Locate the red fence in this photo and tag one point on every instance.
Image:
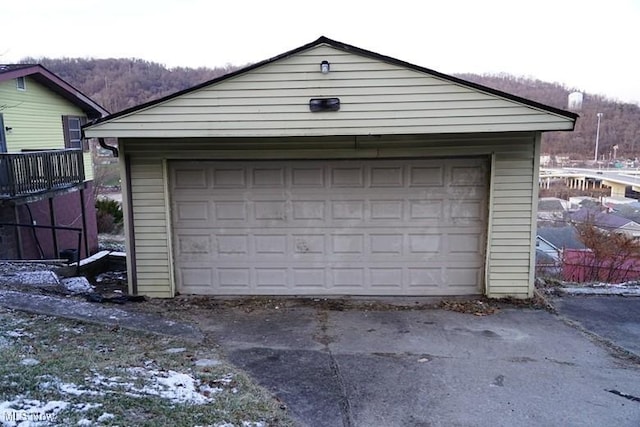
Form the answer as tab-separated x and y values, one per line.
582	266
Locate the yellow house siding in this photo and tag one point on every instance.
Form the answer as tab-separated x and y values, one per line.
35	116
88	166
376	97
508	265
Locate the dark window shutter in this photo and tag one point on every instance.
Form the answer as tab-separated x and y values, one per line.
72	130
65	131
85	141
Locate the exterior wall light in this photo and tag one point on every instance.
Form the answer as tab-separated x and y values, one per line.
324	104
324	67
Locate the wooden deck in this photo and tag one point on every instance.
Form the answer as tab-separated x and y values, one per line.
39	172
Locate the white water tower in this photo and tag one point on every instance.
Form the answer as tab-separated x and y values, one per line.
575	101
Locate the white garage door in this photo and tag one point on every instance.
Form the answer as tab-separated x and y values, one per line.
357	227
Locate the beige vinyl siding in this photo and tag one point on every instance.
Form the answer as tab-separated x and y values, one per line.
376	98
512	223
151	239
508	267
35	116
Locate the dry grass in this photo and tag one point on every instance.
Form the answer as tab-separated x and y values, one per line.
92	370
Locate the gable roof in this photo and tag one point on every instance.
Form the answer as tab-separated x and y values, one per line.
565	237
566	118
551	204
600	219
55	84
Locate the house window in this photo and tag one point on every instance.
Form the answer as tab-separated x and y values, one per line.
71	126
21	83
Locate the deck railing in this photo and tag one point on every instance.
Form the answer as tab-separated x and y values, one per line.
30	173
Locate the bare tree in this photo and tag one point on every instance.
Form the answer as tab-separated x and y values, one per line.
612	256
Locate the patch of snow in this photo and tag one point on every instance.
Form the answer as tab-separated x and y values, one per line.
253	424
70	388
77	285
77	330
84	407
207	390
105	416
36	278
28	412
18	333
29	362
4	343
601	291
175	350
110	382
84	422
207	362
226	379
174	386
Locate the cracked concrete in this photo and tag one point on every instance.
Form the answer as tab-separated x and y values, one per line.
429	367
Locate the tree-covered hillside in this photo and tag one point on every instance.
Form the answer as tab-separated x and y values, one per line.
117	84
122	83
620	122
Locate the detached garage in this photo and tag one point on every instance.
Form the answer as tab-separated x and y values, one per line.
332	170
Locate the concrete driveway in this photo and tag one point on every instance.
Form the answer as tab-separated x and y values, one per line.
430	367
613	317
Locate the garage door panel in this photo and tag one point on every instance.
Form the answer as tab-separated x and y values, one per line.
370	227
426	176
268	177
307	177
334	280
347	177
403	244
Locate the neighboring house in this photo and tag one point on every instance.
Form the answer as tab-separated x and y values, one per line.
45	166
630	211
554	240
551	244
552	209
579	202
606	221
332	170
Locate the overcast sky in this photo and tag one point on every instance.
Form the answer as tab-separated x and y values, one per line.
588	45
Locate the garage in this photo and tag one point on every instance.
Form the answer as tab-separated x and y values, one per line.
332	170
358	227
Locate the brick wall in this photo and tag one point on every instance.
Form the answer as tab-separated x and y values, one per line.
8	235
68	213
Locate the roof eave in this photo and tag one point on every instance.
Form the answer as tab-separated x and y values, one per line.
59	86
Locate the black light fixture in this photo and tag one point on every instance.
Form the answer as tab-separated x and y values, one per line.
325	67
324	104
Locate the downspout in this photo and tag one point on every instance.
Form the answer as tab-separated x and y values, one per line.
114	150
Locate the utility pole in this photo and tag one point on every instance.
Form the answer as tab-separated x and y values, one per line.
595	157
